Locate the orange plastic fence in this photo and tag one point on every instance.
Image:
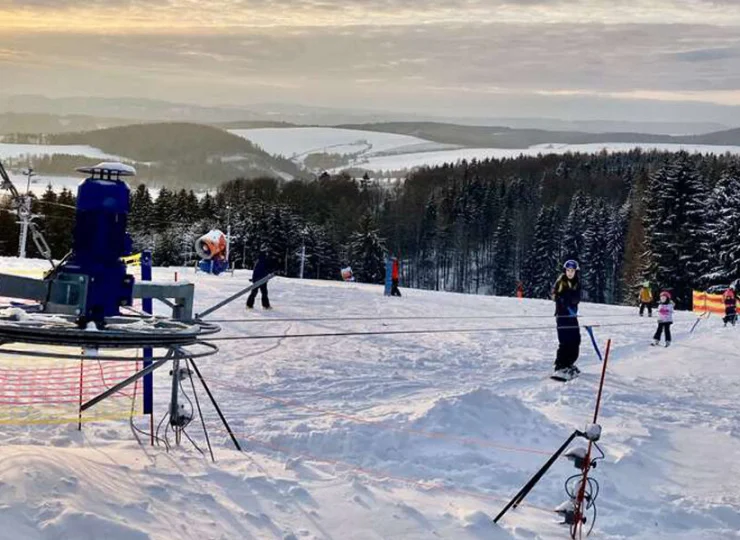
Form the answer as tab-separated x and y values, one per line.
709	303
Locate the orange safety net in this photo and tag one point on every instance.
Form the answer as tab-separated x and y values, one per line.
709	303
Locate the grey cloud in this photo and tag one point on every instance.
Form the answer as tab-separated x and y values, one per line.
89	4
434	65
707	55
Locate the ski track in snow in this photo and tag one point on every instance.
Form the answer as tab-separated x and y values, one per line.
400	436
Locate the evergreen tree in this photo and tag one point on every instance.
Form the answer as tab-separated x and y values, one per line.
616	240
723	231
543	262
574	228
58	222
426	259
142	218
504	282
595	253
675	232
366	251
164	210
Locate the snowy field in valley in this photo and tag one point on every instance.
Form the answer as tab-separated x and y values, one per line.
297	143
40	181
15	151
377	151
413	160
413	436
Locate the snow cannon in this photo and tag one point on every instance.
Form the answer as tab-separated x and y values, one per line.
91	282
212	249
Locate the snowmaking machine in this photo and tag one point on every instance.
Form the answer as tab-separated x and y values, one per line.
213	250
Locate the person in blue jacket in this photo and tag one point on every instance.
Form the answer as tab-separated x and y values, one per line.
261	269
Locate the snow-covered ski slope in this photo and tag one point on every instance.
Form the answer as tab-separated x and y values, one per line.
400	436
378	151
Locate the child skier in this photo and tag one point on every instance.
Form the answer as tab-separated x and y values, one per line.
646	299
730	307
665	319
567	295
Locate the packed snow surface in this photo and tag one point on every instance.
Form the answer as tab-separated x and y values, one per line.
399	436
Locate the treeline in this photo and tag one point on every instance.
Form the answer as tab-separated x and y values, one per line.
483	226
331	217
477	227
56	221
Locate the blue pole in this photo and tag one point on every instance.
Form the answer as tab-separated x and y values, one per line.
146	275
590	331
388	276
698	320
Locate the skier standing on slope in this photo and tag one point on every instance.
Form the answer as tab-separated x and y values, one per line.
567	295
665	319
730	306
646	299
261	269
395	271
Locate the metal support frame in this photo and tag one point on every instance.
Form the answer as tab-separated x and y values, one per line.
36	289
123	384
519	497
215	406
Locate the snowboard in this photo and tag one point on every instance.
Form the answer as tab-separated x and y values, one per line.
563	377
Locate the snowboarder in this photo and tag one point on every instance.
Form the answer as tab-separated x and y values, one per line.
646	299
261	269
394	277
520	290
665	319
567	295
730	306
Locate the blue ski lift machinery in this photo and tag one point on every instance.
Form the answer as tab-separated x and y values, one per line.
88	288
79	302
93	283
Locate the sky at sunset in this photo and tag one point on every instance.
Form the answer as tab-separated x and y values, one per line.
558	58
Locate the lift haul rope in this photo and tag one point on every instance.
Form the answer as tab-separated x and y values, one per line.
405	332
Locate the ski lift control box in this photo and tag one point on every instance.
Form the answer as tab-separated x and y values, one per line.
93	282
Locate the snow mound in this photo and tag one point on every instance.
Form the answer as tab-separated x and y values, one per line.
86	526
472	439
482	414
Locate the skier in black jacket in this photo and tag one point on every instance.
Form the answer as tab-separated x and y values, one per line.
567	295
261	269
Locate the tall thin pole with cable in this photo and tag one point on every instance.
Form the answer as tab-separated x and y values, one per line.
24	214
578	521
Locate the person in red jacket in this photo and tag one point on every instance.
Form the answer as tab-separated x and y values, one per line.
394	278
730	308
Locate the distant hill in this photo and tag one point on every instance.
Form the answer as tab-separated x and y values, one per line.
24	123
504	137
133	110
190	155
727	137
256	124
